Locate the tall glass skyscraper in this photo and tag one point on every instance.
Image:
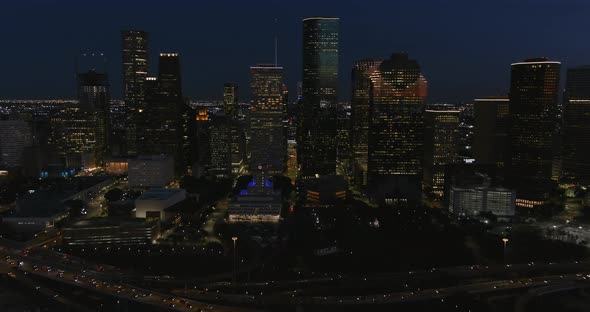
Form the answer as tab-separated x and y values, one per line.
576	126
534	93
359	118
396	130
317	122
441	132
135	54
268	144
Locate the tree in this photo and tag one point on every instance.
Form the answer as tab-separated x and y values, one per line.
114	195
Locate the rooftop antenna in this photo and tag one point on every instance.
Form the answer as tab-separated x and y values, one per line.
276	45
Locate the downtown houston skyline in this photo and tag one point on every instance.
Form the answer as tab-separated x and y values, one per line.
446	38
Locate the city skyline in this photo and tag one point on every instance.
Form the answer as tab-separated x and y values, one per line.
435	34
431	157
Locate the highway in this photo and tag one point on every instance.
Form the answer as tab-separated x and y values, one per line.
66	269
105	280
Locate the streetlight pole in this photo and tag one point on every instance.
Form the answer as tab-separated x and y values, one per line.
234	278
505	241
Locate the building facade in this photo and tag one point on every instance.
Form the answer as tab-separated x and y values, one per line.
268	143
359	118
396	130
576	126
440	145
150	171
534	93
317	120
134	44
490	137
472	201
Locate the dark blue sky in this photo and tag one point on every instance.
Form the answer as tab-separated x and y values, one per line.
464	47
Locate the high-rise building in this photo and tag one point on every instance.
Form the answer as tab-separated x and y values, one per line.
169	75
441	133
161	123
316	144
576	126
73	137
15	136
534	93
94	99
135	69
268	144
359	118
230	107
394	171
490	137
220	145
117	123
230	98
466	121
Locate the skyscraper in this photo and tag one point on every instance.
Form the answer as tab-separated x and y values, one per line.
220	145
135	69
161	123
534	92
441	133
230	107
359	119
169	75
490	141
576	126
15	136
268	145
94	99
317	150
230	98
396	127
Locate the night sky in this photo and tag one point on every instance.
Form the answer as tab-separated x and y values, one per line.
464	47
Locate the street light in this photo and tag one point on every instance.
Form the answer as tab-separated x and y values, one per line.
234	239
505	241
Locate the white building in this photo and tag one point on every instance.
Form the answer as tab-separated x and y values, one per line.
15	135
152	203
151	171
470	201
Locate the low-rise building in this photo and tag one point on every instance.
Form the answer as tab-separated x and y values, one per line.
152	204
151	171
111	232
471	201
258	203
325	191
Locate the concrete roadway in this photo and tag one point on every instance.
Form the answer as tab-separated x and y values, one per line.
47	264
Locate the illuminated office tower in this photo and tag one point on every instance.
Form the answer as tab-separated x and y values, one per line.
317	149
534	93
220	145
230	107
490	141
359	118
441	131
268	144
73	137
230	98
135	69
394	170
94	99
576	126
